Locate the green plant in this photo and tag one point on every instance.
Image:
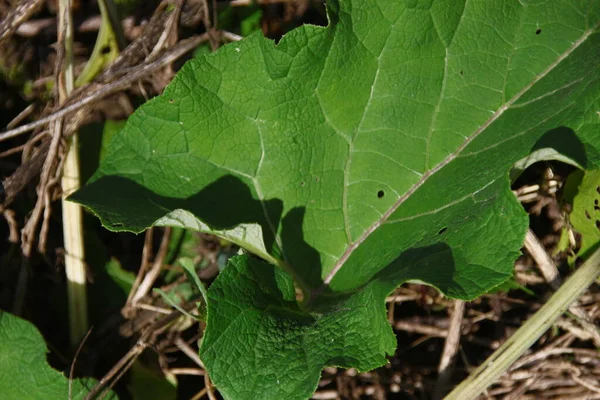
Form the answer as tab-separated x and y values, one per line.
351	159
25	373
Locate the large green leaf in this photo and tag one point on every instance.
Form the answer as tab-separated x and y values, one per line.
24	372
360	155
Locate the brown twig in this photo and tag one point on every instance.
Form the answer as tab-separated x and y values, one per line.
22	115
451	346
189	351
169	32
13	226
187	371
157	265
21	12
52	187
199	395
147	339
94	92
128	308
48	169
209	388
72	369
543	260
550	273
24	174
140	49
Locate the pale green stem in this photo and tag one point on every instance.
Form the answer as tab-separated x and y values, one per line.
499	362
72	215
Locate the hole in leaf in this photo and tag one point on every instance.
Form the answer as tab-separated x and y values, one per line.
587	215
538	31
597	224
598	189
302	184
317	179
105	50
171	101
444	229
461	72
380	194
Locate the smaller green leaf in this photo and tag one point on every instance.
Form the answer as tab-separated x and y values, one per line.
106	49
190	269
24	372
585	217
121	277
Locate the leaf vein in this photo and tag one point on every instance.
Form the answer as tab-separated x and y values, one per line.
354	245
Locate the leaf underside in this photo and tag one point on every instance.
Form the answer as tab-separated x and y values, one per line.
354	157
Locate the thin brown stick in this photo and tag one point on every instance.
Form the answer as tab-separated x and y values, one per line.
91	96
147	339
422	329
72	369
543	260
209	388
187	371
21	12
170	29
518	392
451	346
550	351
157	265
24	174
189	351
28	233
22	115
20	148
119	375
13	226
146	255
199	395
132	354
550	272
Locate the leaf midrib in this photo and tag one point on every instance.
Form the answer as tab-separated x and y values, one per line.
452	156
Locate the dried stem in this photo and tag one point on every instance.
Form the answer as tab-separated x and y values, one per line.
530	331
450	351
94	93
20	13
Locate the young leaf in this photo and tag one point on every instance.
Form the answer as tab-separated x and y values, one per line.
363	154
